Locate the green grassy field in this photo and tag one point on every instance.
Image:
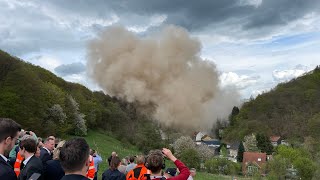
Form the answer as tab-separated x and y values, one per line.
105	144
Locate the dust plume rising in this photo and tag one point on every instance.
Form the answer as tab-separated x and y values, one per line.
165	69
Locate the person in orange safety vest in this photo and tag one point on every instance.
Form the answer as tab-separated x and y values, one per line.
91	171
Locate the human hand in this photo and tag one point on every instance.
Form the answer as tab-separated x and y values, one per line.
31	133
168	154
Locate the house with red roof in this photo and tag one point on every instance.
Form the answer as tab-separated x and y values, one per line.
275	140
253	162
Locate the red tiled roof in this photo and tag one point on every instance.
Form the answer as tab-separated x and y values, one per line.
251	157
274	138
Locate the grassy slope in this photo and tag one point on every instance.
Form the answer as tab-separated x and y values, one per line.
105	144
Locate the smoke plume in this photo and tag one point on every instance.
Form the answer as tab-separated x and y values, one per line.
164	69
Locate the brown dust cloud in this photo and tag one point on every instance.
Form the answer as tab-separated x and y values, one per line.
164	69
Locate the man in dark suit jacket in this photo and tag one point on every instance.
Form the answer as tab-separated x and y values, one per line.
9	132
74	158
46	150
32	164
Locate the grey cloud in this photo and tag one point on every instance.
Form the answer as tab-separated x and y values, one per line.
56	25
195	15
69	69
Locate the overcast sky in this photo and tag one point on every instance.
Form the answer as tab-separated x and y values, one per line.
255	43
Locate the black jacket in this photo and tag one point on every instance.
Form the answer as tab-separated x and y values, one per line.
34	165
6	171
44	156
74	177
113	175
54	170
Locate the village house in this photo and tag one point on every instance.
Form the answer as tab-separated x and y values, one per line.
204	139
275	140
233	151
253	162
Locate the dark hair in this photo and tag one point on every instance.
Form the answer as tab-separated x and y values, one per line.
92	151
131	159
155	161
8	128
115	161
74	154
29	144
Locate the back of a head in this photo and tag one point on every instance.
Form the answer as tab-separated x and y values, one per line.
140	159
92	151
113	154
56	151
155	161
8	128
28	143
124	162
74	154
115	162
131	159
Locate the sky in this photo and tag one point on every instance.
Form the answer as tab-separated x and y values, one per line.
255	44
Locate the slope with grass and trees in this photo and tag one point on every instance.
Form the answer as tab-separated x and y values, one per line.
42	102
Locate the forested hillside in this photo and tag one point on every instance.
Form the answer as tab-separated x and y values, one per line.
42	102
291	110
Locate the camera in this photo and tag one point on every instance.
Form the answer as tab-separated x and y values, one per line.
28	132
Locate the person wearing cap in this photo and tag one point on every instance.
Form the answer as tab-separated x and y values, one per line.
170	172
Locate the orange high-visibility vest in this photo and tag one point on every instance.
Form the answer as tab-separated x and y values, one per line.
140	171
17	164
91	171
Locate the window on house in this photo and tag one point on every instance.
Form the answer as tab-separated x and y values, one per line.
251	170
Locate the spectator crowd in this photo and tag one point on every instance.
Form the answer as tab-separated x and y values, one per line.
25	156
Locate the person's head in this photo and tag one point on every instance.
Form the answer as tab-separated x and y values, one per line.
170	172
56	141
124	162
52	137
131	159
37	154
56	151
28	146
193	172
155	161
115	162
40	141
93	152
141	159
113	154
49	143
74	156
9	133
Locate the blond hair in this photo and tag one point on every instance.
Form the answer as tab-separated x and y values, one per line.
56	151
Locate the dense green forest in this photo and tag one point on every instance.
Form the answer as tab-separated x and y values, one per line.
42	102
290	110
